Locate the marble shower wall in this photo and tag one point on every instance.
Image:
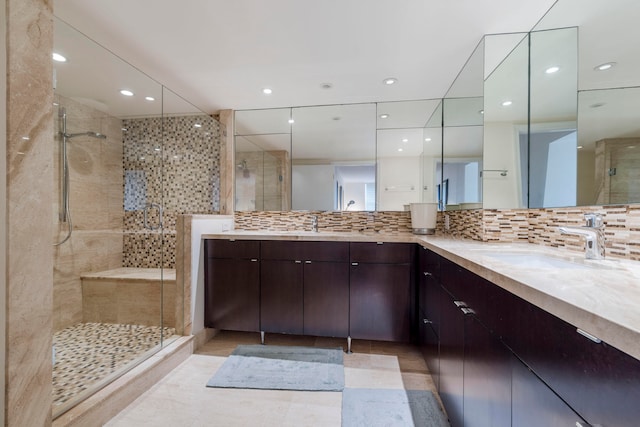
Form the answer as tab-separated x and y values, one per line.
27	242
174	161
95	202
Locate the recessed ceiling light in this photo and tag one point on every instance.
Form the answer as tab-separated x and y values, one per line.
267	91
405	140
390	80
291	121
597	105
58	58
605	66
427	139
481	112
552	70
26	138
326	85
580	147
336	118
149	98
507	103
197	125
126	92
384	116
124	129
400	149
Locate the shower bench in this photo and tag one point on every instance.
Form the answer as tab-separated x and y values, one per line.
130	296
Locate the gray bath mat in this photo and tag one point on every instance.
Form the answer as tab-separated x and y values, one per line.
281	368
383	407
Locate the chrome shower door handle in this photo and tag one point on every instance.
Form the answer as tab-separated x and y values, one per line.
146	216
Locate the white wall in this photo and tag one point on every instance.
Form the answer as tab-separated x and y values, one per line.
312	187
396	176
202	224
501	151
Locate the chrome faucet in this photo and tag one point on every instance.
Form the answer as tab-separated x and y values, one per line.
593	233
314	223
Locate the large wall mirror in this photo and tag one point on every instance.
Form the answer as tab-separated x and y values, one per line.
351	157
462	164
608	96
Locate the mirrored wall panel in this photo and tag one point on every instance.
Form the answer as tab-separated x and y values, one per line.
506	103
462	165
333	157
262	160
408	153
608	96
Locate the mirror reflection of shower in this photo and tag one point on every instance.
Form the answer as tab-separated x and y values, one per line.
65	212
244	168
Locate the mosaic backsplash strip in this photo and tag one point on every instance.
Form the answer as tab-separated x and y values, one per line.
327	221
174	161
537	226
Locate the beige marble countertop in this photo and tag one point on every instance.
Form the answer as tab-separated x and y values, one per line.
600	297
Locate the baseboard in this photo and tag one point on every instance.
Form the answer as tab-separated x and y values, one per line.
202	337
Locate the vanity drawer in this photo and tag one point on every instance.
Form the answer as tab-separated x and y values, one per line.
229	248
305	251
381	252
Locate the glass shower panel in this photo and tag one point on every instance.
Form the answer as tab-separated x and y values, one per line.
190	185
107	287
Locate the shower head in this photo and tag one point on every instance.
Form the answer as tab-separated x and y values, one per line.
91	134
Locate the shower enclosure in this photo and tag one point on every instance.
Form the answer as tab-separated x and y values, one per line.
125	167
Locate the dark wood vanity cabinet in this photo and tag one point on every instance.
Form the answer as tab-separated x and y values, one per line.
232	285
305	288
381	278
508	362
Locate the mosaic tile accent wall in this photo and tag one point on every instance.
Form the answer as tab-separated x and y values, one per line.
174	161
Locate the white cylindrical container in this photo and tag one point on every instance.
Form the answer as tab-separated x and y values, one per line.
424	217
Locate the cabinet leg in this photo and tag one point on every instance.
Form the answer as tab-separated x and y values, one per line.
349	345
262	337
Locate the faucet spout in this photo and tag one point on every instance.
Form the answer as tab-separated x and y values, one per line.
593	234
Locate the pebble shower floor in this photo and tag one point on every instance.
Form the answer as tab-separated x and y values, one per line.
89	352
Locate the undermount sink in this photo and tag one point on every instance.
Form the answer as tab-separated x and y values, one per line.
530	260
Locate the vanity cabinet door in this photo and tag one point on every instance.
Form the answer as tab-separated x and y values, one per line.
232	285
326	298
305	288
281	296
429	311
451	359
487	378
599	381
379	307
534	404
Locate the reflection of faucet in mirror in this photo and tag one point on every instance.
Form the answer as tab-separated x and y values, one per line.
593	233
351	202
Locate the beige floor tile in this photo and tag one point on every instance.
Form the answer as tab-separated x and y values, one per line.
181	398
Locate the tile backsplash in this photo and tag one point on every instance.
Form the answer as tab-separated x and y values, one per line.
536	226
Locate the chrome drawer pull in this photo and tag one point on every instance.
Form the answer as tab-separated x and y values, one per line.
254	260
426	273
426	321
467	310
460	304
589	336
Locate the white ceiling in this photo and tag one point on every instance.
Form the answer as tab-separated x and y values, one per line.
220	54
